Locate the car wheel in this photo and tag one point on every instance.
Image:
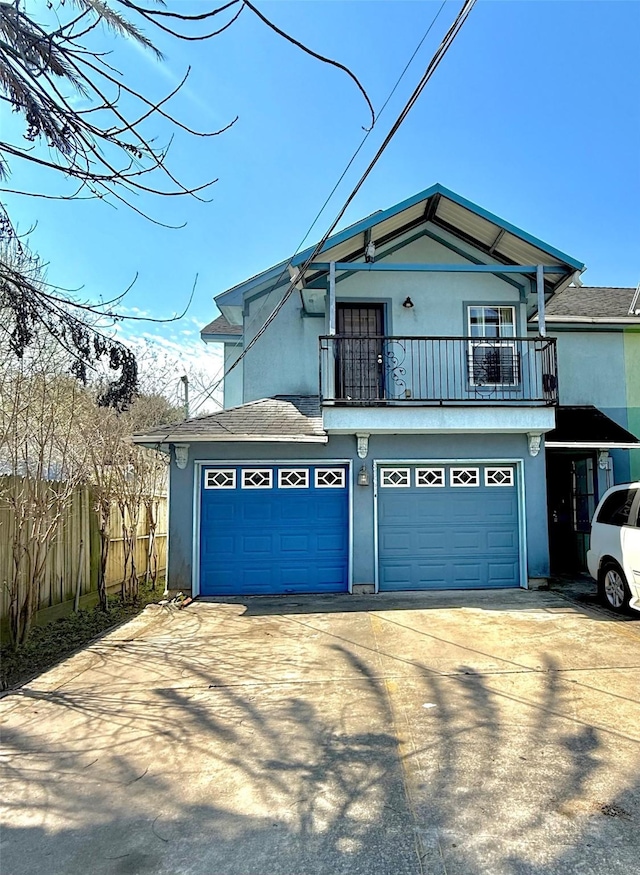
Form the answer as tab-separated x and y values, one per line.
613	588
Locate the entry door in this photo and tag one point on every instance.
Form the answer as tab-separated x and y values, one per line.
359	362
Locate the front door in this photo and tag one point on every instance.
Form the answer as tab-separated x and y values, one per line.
359	359
572	497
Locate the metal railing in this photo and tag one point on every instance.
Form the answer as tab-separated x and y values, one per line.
380	370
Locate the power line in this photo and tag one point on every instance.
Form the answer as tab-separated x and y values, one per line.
347	167
429	71
431	68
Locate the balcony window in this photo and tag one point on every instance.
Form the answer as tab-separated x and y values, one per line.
493	360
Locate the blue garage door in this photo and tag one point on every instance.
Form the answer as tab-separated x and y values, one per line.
274	529
448	527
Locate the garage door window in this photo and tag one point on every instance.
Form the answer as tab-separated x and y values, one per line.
498	476
395	477
330	478
220	479
465	477
430	477
257	479
293	478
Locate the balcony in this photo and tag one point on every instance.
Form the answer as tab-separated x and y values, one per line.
438	371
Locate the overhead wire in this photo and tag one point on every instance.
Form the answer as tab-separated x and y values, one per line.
431	67
208	394
364	139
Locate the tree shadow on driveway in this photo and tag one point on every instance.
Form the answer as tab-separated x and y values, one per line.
258	745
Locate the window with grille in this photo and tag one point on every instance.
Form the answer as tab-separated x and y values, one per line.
430	477
257	478
498	476
464	477
395	477
330	478
293	478
493	358
220	478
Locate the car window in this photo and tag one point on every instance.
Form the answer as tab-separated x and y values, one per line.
616	509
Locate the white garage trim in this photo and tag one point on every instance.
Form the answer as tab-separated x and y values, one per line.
250	463
522	518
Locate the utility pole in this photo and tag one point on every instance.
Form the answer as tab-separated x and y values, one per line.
185	380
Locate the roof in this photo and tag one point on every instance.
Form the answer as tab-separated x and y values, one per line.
281	418
220	329
594	301
586	426
501	241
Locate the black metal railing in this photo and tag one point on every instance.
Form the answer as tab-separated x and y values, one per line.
438	370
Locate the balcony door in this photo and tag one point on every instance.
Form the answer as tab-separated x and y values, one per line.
359	354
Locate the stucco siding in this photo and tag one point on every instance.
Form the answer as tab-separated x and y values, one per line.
233	381
591	370
381	447
286	359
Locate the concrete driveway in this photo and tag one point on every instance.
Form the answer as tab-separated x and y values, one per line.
449	734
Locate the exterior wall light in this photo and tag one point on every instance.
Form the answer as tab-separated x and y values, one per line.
408	303
363	476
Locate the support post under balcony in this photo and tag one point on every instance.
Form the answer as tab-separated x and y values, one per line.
332	297
542	328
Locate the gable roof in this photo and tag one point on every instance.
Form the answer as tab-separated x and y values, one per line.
501	241
295	418
594	301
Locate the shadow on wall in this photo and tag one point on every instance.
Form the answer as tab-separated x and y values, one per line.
209	775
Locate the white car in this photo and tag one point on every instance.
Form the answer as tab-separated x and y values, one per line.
614	557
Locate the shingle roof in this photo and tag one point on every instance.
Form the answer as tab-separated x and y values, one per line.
221	326
295	417
592	301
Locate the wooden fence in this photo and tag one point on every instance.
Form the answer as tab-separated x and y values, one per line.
74	555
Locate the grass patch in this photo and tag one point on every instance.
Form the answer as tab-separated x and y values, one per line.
51	643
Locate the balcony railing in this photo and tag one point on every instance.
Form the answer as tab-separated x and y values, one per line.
438	370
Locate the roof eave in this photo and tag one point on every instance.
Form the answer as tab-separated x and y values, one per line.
156	440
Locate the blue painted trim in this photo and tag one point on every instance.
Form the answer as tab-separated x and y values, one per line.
461	252
513	229
369	222
237	291
434	268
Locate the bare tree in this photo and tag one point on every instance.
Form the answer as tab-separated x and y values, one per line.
104	147
42	468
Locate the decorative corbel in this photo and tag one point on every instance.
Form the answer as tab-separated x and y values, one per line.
363	445
182	455
534	443
603	459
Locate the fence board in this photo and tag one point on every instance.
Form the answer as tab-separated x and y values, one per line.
79	524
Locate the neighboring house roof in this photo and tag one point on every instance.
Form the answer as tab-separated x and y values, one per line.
220	330
294	418
501	241
594	302
586	426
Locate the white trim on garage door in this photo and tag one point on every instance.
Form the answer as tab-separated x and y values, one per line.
522	519
253	463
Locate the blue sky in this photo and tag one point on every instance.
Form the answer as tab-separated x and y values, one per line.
533	114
